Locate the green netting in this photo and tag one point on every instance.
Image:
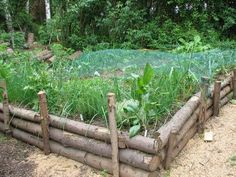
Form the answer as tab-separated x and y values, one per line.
204	63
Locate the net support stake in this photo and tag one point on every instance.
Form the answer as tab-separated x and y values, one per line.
113	133
6	112
205	82
44	121
216	98
234	84
171	146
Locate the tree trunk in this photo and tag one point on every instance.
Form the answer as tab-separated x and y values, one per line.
9	22
47	10
27	7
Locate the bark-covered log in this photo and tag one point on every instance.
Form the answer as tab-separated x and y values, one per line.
128	156
44	121
179	119
170	148
145	144
113	132
184	141
234	84
216	98
75	55
44	55
187	129
30	40
98	162
193	119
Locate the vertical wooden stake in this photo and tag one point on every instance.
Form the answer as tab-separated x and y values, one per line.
44	121
205	82
216	98
114	134
234	84
6	112
171	146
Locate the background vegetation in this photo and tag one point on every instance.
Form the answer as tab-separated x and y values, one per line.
99	24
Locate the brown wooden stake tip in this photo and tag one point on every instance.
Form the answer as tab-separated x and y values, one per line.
40	93
205	79
111	94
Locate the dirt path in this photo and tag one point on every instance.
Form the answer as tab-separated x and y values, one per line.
212	159
18	159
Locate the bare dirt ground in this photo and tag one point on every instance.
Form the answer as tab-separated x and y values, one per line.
18	159
198	159
13	158
210	159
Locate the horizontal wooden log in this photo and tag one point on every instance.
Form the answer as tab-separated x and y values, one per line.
75	55
144	144
131	157
184	141
44	55
97	162
179	119
187	129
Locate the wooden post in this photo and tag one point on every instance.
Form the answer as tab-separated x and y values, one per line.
234	84
171	146
44	121
216	98
205	82
30	40
6	112
114	134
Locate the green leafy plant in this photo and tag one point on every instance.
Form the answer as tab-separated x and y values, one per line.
193	46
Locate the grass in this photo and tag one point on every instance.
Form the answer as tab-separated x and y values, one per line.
2	138
73	90
233	160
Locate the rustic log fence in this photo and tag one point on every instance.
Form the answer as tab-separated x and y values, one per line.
109	149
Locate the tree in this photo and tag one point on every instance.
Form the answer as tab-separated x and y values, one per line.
9	21
47	10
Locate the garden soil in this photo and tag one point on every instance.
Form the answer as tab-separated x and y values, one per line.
198	159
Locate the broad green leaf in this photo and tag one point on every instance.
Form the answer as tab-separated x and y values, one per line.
233	102
134	130
148	74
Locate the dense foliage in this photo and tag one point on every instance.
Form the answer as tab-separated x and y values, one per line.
98	24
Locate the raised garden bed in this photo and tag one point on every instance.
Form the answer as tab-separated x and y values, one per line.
138	156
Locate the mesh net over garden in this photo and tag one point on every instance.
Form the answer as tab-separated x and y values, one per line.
199	64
